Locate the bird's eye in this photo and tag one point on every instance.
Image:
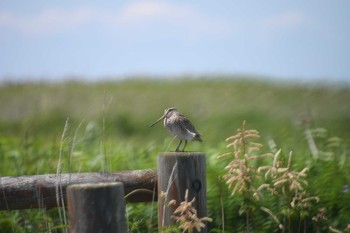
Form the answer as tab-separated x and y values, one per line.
168	110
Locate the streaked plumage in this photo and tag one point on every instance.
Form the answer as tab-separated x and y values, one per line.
178	125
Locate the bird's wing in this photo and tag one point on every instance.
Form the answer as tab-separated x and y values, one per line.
187	125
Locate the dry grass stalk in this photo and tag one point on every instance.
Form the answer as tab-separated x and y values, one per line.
291	184
240	172
186	216
59	190
288	185
332	229
320	216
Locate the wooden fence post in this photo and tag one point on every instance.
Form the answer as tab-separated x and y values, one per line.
178	171
96	207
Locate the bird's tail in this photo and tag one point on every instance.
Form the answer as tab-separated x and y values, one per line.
197	137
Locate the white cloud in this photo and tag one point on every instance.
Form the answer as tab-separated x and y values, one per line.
145	12
132	16
186	19
285	20
48	21
270	29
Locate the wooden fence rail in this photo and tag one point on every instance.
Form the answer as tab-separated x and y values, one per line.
90	193
39	191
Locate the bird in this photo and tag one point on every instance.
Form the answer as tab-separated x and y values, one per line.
178	125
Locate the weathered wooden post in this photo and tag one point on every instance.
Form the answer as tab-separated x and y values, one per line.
178	171
96	207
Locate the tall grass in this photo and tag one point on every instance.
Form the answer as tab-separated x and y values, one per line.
32	117
279	189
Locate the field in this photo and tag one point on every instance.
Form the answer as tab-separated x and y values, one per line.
111	120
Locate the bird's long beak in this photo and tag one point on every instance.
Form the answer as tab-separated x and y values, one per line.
162	117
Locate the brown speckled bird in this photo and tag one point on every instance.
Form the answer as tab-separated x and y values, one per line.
178	125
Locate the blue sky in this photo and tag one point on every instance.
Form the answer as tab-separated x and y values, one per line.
292	39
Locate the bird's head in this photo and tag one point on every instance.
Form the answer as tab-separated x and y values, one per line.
167	113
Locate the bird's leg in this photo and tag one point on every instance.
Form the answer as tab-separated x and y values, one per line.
183	149
177	148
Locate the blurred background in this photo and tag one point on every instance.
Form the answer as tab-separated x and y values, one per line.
94	40
85	79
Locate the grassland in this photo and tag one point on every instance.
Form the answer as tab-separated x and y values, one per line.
115	119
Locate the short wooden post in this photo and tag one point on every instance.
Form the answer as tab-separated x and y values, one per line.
96	207
178	171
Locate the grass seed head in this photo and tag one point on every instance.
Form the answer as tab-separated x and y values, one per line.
186	215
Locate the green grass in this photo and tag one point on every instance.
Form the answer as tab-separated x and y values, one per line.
32	119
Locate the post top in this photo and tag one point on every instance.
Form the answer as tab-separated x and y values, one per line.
182	154
96	185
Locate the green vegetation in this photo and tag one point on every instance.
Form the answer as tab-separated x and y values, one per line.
114	134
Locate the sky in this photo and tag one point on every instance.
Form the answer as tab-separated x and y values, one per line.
93	40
